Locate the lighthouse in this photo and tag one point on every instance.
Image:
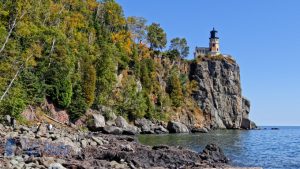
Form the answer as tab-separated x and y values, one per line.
214	45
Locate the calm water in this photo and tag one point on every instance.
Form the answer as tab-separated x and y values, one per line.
270	149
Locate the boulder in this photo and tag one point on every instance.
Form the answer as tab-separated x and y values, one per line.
177	127
245	124
131	130
160	130
112	130
121	122
7	119
213	153
145	125
97	122
253	125
127	128
42	130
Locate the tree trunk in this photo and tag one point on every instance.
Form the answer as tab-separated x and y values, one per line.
14	78
12	26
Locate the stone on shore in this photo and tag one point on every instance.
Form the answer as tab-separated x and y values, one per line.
177	127
97	122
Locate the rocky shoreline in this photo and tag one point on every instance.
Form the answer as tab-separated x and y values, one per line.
59	148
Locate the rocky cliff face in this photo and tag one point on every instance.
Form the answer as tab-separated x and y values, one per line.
219	94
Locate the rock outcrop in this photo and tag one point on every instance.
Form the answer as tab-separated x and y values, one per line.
219	93
177	127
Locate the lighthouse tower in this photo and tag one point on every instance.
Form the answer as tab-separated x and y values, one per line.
212	50
214	46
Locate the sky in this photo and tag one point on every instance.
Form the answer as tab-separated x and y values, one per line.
262	35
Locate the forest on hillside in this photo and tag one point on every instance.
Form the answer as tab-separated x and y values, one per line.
83	54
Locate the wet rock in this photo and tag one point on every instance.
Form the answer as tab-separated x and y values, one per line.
160	130
199	130
160	147
214	153
177	127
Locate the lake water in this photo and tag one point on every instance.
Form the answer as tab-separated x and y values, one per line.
270	149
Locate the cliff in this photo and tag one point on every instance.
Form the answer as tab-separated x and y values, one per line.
219	94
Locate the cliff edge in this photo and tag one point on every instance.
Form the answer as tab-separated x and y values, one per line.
219	94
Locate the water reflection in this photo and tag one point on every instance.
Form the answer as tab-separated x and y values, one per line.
274	149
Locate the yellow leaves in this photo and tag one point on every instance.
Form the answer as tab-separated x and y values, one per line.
35	51
26	28
92	4
55	8
123	38
75	21
4	13
144	51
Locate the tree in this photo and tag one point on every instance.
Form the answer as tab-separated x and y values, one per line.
132	103
89	84
156	36
171	54
137	27
180	45
175	89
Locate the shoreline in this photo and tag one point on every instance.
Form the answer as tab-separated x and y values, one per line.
31	147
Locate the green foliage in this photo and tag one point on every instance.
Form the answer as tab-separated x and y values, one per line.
106	72
79	104
147	67
15	103
156	36
132	103
138	28
180	45
175	89
89	84
72	52
172	54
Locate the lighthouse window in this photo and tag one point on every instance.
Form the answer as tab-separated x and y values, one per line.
214	45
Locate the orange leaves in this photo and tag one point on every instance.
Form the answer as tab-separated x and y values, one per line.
144	51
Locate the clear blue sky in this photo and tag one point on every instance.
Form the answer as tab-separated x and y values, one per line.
262	35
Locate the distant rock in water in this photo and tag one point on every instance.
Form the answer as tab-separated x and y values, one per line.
220	94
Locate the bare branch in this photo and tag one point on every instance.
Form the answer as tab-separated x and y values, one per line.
12	26
14	78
